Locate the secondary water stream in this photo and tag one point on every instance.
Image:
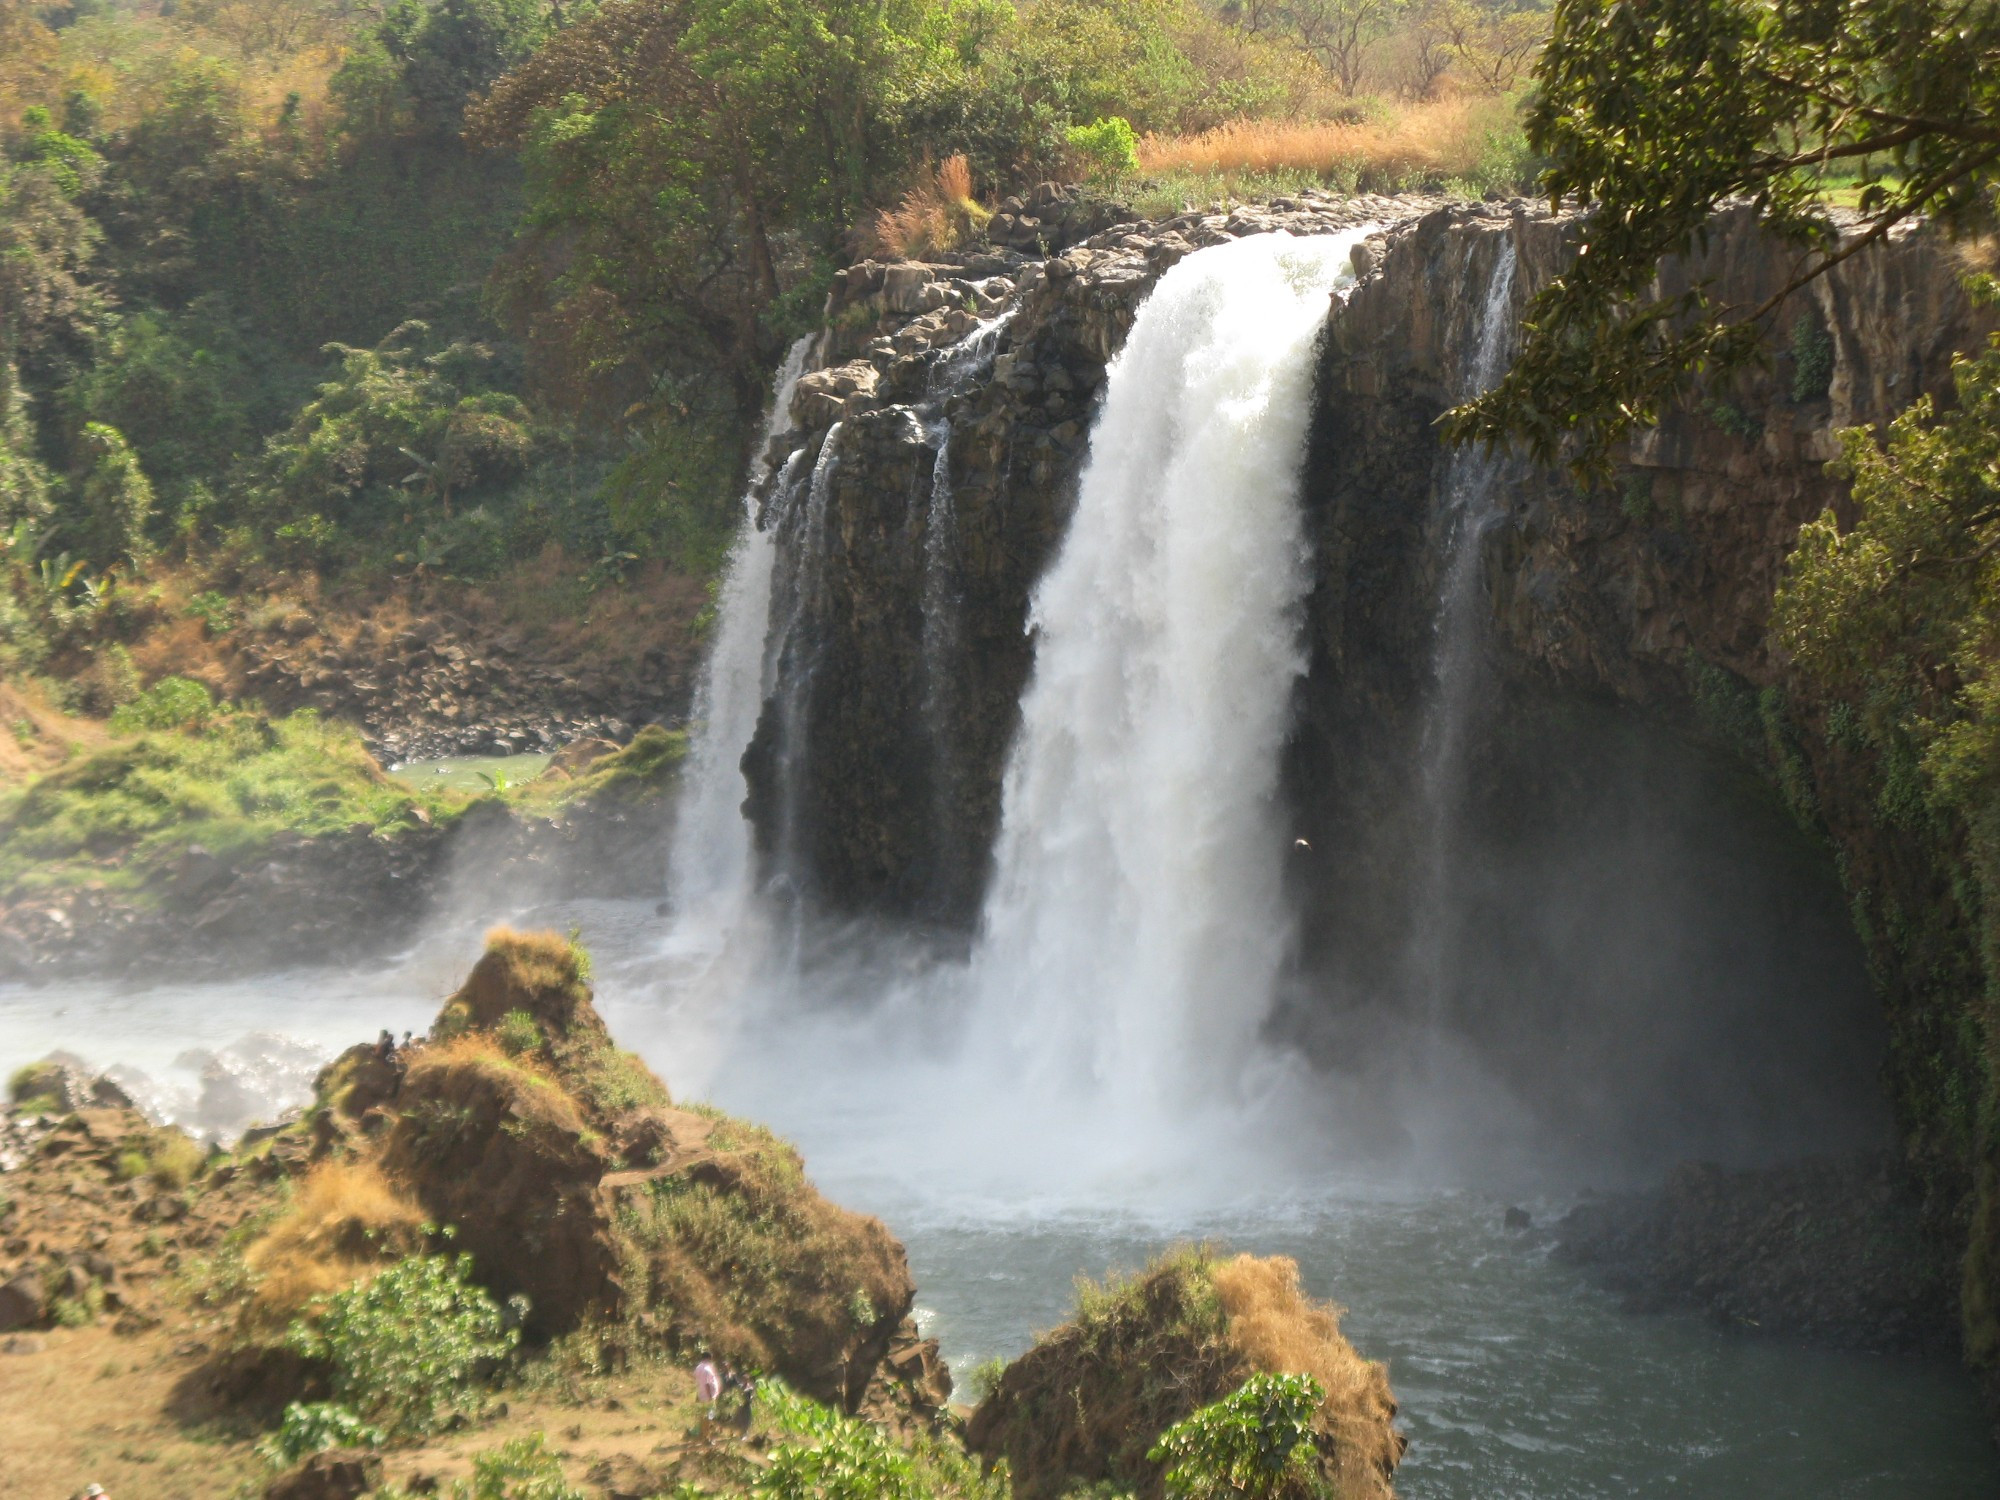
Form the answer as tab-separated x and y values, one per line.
1092	1084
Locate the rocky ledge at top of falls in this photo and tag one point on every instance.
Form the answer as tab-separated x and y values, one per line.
932	466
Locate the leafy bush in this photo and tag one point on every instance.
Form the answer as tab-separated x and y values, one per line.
517	1033
523	1469
114	495
407	1343
170	703
985	1377
838	1458
310	1427
170	1156
1107	147
1257	1443
34	1083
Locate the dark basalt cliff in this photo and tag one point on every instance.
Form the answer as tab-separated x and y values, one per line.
904	583
1636	769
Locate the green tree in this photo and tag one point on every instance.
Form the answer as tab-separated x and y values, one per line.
113	496
690	162
1652	115
50	305
1892	625
452	51
403	427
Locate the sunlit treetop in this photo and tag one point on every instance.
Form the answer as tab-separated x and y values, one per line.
1654	113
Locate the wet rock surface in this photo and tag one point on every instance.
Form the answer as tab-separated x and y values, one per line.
934	462
1828	1250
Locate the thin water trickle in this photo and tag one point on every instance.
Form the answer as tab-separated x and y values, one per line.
1470	502
709	864
969	360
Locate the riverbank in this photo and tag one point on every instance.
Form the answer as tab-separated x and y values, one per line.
210	839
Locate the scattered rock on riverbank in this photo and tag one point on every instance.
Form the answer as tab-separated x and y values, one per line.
1833	1251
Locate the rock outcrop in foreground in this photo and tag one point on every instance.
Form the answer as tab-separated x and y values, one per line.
565	1169
640	1233
1083	1407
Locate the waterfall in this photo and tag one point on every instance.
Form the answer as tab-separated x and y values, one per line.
1135	923
1470	502
709	868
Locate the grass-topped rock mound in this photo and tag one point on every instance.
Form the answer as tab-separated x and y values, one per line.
1126	1394
563	1167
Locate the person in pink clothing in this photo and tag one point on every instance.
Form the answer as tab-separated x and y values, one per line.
707	1390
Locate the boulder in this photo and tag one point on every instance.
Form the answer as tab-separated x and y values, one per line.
22	1302
495	1147
335	1474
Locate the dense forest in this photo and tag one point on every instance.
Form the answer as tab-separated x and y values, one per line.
484	294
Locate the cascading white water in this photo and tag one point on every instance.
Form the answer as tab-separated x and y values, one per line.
709	867
1134	926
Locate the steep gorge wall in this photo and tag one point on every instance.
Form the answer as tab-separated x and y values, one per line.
1645	605
1625	628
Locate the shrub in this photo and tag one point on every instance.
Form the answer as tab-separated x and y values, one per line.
215	611
1812	359
173	1158
517	1033
1107	148
523	1469
838	1458
116	495
310	1427
985	1377
407	1343
170	703
1256	1443
35	1084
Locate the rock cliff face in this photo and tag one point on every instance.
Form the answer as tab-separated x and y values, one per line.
1629	769
1623	640
929	484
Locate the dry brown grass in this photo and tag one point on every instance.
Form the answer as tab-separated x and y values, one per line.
1090	1399
345	1220
1278	1328
939	213
1444	138
542	973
